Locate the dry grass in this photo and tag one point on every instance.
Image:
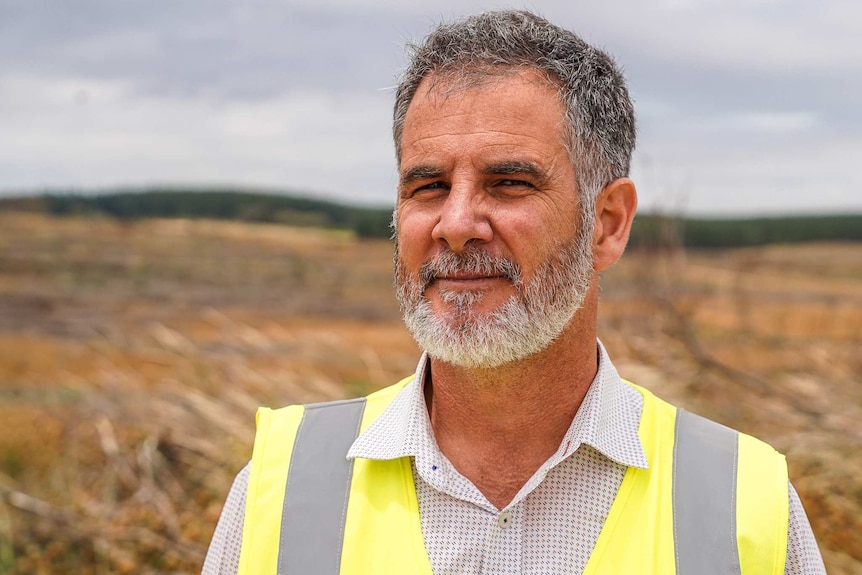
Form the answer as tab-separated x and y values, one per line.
133	356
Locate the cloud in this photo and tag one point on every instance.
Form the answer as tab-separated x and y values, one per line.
84	133
772	122
731	95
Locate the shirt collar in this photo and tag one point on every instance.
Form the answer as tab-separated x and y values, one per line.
607	420
404	428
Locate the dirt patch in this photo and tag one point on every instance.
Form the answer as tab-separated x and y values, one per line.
133	357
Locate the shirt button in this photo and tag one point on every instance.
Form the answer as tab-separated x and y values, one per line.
504	519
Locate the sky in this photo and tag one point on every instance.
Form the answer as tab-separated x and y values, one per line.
745	107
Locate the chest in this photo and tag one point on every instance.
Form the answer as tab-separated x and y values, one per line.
552	526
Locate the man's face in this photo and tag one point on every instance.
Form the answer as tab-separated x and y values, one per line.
491	264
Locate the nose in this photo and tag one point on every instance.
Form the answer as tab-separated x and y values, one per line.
463	220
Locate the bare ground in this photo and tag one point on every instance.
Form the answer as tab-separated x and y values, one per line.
133	356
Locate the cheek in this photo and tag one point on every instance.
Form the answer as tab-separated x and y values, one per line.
408	259
414	238
532	241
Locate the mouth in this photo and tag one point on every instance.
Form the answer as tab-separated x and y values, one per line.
466	281
473	270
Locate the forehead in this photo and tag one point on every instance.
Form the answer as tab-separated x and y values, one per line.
510	107
455	79
446	84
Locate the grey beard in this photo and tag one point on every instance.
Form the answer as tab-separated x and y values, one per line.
529	321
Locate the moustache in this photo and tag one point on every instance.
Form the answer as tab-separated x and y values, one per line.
472	261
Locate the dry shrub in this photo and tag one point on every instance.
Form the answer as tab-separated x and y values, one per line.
141	461
133	356
762	343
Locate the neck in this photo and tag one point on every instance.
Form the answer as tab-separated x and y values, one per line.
498	425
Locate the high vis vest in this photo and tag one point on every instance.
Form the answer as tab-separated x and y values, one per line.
713	501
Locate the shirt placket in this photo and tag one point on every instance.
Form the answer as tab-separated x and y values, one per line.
504	542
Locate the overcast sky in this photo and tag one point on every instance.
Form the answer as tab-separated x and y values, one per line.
744	106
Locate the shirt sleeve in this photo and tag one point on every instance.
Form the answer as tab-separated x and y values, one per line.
803	555
223	553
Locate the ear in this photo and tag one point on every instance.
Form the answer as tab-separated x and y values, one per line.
615	210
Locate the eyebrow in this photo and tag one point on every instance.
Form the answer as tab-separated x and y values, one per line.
426	172
513	168
420	173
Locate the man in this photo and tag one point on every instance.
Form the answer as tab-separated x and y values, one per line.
516	447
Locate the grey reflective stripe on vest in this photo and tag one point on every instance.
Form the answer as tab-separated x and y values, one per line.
318	485
704	497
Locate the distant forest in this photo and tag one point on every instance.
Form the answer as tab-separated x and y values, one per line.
649	230
213	204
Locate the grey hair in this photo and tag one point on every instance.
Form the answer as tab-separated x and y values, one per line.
599	126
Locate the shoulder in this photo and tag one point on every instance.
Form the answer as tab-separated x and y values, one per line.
222	556
287	419
686	423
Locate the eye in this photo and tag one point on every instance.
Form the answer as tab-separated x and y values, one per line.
431	186
512	182
511	187
430	190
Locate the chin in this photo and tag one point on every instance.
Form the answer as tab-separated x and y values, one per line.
485	340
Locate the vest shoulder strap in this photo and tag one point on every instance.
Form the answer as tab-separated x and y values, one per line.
704	496
300	484
719	495
714	498
318	488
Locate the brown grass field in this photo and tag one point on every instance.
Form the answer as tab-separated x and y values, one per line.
133	356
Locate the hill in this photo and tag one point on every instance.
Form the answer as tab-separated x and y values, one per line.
649	231
222	204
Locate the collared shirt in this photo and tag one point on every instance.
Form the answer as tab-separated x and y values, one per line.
552	524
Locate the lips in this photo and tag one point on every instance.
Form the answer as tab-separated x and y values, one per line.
468	277
467	282
470	268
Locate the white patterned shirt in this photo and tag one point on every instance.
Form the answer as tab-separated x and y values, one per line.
552	524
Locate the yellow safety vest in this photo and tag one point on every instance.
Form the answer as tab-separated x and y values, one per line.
713	501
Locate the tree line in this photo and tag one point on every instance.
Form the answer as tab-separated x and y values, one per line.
215	204
649	230
660	230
